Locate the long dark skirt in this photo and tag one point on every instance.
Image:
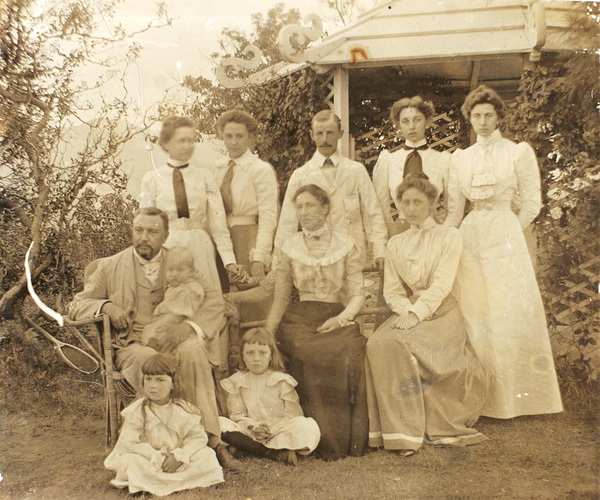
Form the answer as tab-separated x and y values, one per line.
330	372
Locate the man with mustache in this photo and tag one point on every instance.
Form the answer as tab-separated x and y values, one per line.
354	208
127	287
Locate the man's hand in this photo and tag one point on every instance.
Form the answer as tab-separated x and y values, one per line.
237	273
170	463
257	270
118	317
177	333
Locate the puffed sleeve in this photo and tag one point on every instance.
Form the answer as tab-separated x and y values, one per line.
147	197
288	220
456	198
393	288
130	437
282	294
373	221
238	412
380	183
528	179
194	437
267	192
443	276
217	223
290	399
354	286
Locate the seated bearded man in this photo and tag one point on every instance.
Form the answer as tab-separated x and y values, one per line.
127	287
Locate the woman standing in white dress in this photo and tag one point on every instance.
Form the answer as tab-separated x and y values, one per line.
495	284
410	117
194	209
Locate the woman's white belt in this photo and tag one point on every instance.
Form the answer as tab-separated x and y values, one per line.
241	220
492	205
185	224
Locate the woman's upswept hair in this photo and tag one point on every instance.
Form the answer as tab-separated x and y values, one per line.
419	182
237	115
170	125
316	191
417	102
262	337
482	95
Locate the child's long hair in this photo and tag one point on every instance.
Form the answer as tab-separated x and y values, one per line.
163	364
262	337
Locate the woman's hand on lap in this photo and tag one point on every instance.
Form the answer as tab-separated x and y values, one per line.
406	322
329	325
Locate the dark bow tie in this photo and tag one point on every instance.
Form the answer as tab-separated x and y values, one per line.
422	147
179	166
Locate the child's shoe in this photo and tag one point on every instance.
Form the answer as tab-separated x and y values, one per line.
288	457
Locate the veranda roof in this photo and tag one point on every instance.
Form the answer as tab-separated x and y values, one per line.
444	38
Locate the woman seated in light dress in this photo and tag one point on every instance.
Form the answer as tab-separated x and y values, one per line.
424	383
496	285
411	117
323	346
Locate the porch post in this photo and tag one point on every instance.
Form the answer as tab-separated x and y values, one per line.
341	107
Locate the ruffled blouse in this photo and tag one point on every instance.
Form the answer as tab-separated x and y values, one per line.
425	258
495	172
267	398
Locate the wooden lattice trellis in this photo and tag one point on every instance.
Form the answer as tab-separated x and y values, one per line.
573	303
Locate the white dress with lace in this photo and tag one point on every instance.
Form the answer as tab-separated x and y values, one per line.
496	285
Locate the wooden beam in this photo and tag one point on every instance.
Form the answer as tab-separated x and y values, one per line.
475	67
341	106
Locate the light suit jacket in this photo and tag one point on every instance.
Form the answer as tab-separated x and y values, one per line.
354	208
114	280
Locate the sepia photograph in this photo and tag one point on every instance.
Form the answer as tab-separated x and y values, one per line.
308	249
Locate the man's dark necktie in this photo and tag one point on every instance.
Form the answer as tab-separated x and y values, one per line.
226	193
180	195
413	164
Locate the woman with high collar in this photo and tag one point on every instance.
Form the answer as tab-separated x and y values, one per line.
322	343
424	382
496	285
411	117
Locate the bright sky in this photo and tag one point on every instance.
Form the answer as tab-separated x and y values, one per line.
184	48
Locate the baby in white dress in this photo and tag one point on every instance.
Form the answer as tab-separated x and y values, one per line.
183	297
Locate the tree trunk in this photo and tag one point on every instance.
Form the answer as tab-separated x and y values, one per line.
10	298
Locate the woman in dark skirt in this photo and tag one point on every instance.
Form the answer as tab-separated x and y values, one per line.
323	345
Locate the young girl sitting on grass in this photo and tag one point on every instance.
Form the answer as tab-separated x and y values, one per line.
265	417
162	446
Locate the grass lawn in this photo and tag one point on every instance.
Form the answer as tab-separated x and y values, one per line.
55	451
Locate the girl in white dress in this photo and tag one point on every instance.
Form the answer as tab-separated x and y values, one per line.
162	446
411	117
194	209
495	284
265	417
